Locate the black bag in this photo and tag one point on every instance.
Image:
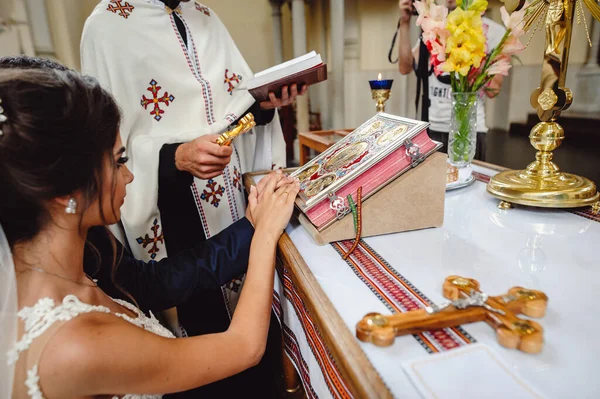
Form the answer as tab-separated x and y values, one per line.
422	70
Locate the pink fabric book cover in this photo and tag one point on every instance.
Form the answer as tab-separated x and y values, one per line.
373	155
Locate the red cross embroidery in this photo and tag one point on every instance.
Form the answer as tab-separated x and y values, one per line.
213	193
147	240
203	9
237	179
123	10
166	98
230	80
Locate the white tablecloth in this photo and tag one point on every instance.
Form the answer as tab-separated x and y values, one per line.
549	250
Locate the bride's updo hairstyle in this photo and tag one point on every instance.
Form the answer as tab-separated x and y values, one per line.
58	129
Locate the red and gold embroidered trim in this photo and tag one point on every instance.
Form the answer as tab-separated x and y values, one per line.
358	223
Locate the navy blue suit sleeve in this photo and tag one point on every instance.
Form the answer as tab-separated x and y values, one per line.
160	285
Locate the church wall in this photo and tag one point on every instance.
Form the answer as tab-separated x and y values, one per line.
66	19
250	26
248	22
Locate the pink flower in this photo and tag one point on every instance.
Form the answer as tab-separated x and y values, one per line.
439	69
511	46
438	50
514	21
438	13
500	67
423	10
486	28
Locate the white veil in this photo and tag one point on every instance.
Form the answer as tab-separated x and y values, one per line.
8	315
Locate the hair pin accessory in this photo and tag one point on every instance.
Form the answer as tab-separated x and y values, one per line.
3	117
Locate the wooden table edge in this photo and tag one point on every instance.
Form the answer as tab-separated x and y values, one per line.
358	372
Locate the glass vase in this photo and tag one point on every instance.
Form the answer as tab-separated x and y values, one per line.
462	140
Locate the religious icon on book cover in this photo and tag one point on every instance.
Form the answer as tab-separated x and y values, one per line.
346	156
308	173
391	136
320	184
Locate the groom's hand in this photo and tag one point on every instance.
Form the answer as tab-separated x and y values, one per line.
203	157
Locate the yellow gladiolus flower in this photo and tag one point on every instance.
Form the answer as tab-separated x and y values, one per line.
459	60
458	64
478	6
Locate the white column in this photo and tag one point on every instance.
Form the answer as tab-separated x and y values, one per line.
336	69
65	34
299	35
592	58
277	37
586	95
319	94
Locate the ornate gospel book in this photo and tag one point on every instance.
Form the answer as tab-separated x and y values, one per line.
380	150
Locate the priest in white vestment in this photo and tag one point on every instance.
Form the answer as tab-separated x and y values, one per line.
177	74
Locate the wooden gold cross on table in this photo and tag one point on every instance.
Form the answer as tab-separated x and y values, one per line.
467	305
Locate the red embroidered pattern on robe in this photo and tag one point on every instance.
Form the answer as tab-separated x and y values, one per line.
203	9
231	81
155	240
213	194
124	10
156	100
237	179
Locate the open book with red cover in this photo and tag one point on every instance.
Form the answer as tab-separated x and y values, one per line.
307	69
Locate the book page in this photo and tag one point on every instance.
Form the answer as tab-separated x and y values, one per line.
286	64
285	69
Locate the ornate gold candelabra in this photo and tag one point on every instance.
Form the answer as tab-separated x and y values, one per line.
542	183
245	124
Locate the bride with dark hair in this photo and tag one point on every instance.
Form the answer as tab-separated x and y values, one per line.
63	170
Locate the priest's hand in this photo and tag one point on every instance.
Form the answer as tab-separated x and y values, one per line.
288	95
203	157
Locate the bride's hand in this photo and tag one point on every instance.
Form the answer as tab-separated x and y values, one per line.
281	179
272	208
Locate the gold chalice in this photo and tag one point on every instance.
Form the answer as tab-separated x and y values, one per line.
381	91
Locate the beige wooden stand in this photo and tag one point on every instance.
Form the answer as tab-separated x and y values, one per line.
413	201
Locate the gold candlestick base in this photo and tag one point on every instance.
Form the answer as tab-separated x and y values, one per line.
542	183
381	96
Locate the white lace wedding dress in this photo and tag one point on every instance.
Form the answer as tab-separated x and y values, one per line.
45	314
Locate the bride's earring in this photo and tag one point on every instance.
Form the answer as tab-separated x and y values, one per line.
71	208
